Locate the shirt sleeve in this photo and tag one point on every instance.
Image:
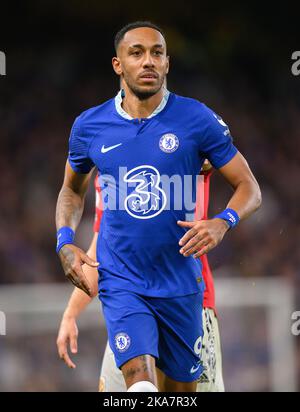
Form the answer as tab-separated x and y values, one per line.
79	144
217	145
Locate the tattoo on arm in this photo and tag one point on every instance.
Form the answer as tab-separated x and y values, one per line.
130	373
67	257
143	367
69	208
144	364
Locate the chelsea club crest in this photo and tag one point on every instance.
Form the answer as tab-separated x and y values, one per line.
168	143
122	342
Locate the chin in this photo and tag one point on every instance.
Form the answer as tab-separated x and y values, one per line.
144	92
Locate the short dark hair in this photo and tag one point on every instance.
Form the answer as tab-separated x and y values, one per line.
131	26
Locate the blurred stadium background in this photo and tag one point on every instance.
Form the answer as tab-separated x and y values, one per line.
237	59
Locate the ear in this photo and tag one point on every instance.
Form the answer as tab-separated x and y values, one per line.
168	64
117	65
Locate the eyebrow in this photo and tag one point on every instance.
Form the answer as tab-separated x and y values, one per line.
140	46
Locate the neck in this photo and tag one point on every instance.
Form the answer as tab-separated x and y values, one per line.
137	108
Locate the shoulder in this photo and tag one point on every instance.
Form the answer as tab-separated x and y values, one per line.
194	111
93	119
102	110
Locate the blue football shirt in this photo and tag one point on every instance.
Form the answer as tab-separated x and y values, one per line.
148	176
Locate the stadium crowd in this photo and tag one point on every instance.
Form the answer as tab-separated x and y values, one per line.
47	87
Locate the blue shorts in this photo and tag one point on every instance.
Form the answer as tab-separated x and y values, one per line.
169	329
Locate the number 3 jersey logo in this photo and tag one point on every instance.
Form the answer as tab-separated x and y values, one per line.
148	199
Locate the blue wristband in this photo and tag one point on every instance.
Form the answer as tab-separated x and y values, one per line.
65	235
230	216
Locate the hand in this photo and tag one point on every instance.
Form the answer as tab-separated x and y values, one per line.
68	333
202	236
72	258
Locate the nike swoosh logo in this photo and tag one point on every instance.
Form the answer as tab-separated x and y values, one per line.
193	369
107	149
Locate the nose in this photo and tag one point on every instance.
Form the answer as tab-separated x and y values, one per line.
148	61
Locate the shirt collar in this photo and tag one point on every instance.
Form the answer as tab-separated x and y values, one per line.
121	111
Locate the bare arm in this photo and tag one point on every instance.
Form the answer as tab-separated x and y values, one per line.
70	202
204	235
69	210
68	331
246	198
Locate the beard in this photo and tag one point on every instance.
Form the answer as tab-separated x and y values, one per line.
140	92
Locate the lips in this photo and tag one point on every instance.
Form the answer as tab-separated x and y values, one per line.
149	75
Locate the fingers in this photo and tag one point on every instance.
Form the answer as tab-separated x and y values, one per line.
68	333
185	224
73	343
188	235
201	248
194	245
86	259
196	241
204	250
202	236
63	352
66	358
77	277
72	259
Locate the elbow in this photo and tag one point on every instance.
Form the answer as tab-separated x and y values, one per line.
258	197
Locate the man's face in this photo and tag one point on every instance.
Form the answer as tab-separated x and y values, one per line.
142	61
